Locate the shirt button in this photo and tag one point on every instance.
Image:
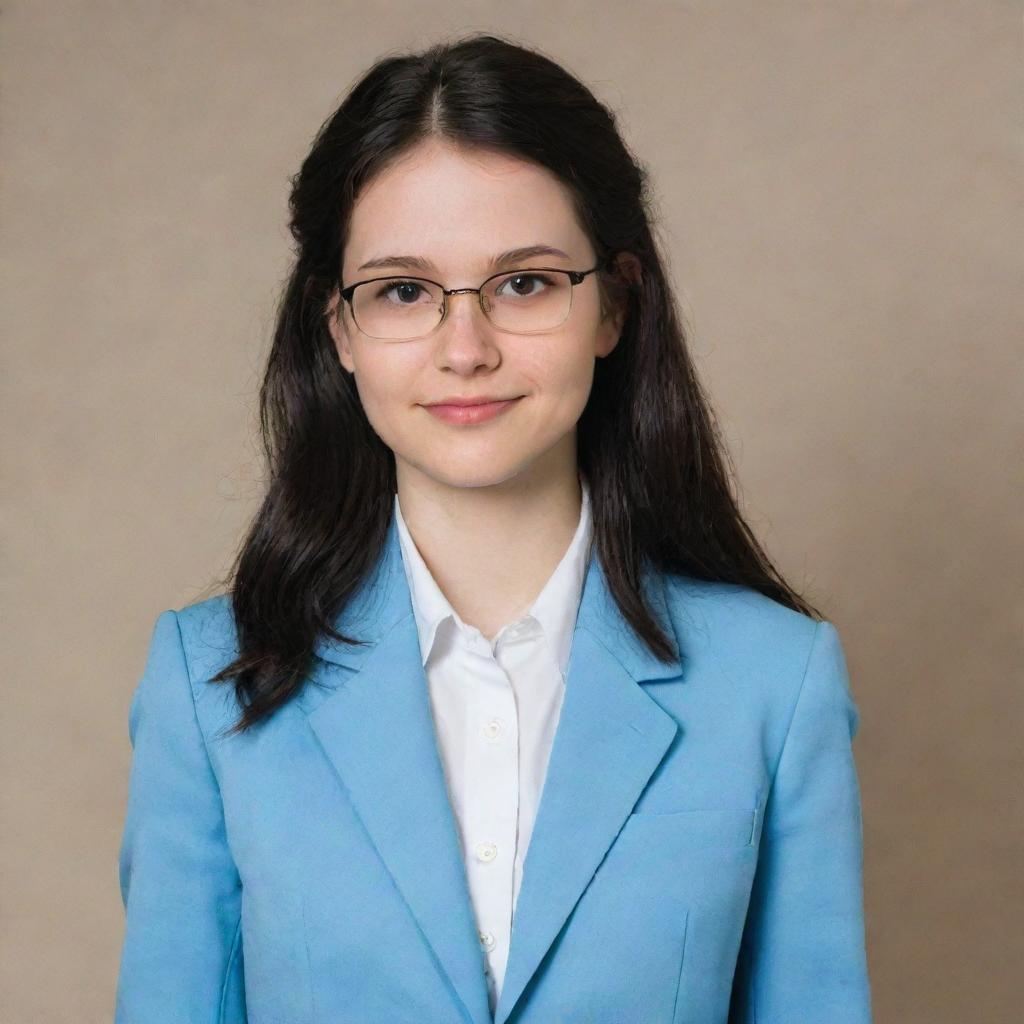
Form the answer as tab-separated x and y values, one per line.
487	940
492	728
486	852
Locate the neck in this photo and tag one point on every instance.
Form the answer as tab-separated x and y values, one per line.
491	549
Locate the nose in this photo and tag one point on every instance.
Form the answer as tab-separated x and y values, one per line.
466	336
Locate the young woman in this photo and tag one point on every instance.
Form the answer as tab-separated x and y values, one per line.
505	715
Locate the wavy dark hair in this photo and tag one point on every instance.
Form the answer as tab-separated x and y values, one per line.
647	441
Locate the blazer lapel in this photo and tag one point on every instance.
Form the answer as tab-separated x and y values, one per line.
610	738
377	729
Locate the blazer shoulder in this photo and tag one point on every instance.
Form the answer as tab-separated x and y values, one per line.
208	636
209	642
737	628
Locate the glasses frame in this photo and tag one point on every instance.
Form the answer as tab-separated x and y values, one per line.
575	277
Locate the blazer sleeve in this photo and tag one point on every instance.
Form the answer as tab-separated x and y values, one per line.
802	958
181	959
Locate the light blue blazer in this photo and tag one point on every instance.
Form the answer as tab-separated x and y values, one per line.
696	858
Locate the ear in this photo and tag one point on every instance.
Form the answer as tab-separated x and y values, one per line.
336	324
627	275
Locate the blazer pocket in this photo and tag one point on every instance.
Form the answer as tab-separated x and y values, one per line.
699	826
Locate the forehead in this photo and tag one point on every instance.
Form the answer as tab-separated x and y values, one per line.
457	207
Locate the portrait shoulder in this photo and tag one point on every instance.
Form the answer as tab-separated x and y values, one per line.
737	629
208	636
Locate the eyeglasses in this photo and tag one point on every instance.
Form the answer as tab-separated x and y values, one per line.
527	301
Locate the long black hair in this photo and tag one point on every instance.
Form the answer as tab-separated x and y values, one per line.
647	441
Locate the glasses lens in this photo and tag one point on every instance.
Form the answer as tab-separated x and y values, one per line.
528	301
397	308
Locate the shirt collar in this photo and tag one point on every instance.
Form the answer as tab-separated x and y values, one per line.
555	607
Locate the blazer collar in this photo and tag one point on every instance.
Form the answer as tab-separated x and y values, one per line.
377	729
384	599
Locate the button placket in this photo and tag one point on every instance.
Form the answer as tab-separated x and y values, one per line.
492	805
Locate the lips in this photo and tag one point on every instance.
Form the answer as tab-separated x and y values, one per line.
468	414
472	400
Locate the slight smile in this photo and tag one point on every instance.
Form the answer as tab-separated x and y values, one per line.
470	410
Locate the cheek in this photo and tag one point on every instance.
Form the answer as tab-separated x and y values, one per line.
563	382
379	379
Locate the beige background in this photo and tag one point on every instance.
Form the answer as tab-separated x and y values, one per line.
840	188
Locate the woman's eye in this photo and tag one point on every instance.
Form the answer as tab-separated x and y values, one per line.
521	285
405	292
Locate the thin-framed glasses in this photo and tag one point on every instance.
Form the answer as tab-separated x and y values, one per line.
528	300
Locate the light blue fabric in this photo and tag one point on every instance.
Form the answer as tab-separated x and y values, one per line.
696	857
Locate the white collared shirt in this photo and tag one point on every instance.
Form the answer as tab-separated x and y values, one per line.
496	707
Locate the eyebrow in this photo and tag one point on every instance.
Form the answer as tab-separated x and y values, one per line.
525	252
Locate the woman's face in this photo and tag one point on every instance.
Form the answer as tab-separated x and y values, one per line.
457	209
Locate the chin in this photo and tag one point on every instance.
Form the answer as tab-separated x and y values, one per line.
485	473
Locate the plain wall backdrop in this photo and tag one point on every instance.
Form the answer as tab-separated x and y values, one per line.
840	191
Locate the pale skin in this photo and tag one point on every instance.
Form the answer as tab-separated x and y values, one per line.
492	507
